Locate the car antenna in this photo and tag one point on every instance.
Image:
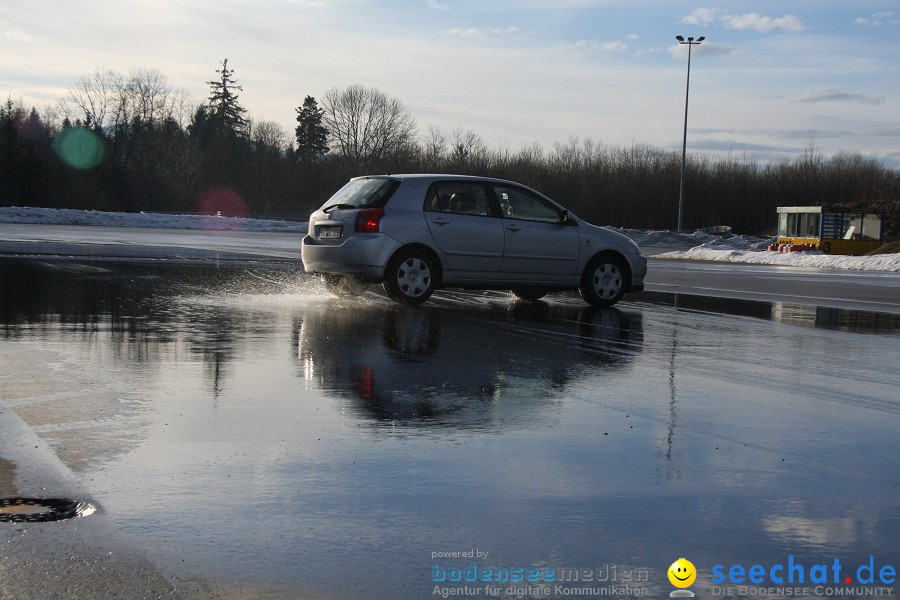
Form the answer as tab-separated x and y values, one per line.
383	168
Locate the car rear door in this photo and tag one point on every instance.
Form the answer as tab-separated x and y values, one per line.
463	221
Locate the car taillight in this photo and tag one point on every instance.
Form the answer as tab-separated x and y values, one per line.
368	219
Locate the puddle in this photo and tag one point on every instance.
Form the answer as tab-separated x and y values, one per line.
819	317
276	438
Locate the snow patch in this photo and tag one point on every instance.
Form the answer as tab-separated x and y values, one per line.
66	216
659	239
723	253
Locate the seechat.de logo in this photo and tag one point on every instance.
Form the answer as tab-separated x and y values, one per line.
794	572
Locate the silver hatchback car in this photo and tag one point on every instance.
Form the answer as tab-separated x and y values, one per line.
416	233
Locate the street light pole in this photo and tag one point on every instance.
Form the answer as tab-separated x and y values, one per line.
690	42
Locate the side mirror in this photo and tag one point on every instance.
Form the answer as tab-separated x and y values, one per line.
565	219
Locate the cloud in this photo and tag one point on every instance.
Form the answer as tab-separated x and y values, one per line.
679	51
596	45
651	50
435	5
780	134
842	95
632	36
463	32
467	32
762	23
879	19
18	36
735	145
753	21
885	132
700	16
613	47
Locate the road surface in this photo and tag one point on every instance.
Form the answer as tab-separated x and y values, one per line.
860	290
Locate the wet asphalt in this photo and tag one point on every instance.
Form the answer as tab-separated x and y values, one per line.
244	433
83	557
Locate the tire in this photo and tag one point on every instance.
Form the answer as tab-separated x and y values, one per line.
410	277
603	282
529	294
344	286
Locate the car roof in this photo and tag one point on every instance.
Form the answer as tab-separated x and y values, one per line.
439	176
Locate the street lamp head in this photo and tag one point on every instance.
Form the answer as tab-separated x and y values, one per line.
679	38
700	39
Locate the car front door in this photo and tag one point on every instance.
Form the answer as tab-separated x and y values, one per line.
539	246
463	221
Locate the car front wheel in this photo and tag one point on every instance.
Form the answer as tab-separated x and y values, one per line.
603	282
410	277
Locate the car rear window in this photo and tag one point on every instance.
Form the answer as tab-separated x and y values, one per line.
363	193
460	197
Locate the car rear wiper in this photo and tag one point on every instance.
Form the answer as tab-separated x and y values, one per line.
338	207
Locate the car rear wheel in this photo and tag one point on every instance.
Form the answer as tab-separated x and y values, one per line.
603	282
529	294
410	276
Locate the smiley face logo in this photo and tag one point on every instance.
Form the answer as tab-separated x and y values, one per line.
682	573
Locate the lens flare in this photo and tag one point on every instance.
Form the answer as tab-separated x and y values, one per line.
79	147
221	201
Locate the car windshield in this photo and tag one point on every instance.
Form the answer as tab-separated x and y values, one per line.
363	193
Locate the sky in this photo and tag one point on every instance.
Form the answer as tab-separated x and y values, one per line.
770	81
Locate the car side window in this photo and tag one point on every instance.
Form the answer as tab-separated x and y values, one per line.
459	197
516	203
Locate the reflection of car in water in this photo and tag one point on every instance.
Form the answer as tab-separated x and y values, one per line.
461	368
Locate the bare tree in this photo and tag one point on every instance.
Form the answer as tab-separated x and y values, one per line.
109	99
466	147
146	96
96	97
434	149
268	135
366	123
182	106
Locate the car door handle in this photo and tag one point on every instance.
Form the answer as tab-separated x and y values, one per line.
440	221
514	228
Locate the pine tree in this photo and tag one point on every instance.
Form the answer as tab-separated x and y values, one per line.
226	114
24	153
312	137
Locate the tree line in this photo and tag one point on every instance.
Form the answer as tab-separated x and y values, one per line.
130	142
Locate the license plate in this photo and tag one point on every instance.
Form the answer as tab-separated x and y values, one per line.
329	233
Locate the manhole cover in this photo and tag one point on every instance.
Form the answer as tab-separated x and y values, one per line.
34	510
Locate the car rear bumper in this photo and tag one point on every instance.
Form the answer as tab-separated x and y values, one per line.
362	255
